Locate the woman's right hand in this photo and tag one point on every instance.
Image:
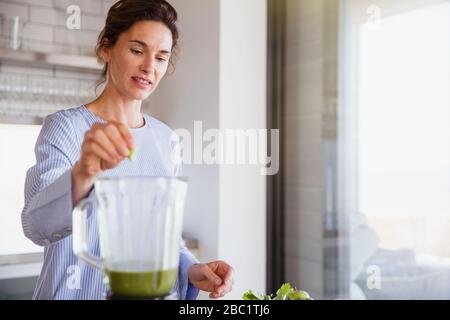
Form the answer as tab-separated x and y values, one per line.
104	147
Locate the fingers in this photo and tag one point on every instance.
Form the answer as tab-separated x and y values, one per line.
220	292
126	135
104	146
229	276
215	279
94	148
227	283
115	136
214	295
99	137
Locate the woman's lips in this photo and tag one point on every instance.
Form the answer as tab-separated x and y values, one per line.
141	83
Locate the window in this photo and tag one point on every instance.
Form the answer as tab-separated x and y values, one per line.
17	156
395	148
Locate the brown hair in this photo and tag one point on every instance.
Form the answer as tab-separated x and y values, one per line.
124	13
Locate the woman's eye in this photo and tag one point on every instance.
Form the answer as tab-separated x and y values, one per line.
161	59
136	51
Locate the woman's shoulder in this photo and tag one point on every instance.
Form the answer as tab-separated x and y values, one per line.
72	114
64	122
63	114
69	118
59	129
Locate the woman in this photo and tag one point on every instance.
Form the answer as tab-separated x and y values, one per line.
77	145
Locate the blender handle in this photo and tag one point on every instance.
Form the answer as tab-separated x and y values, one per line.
79	234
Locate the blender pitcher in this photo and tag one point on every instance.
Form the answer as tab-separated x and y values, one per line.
140	223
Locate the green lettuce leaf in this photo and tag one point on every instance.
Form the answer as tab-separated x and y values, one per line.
298	295
249	295
286	292
282	293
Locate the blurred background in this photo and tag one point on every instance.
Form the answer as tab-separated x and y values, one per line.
359	89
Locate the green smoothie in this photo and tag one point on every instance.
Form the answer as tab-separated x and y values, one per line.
141	284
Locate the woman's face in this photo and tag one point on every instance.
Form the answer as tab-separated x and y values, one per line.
139	59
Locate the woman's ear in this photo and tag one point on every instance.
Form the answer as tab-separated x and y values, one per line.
105	51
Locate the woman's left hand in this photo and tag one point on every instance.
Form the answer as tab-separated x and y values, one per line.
215	277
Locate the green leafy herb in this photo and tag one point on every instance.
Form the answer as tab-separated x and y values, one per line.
286	292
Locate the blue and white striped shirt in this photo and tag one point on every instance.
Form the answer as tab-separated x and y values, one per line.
47	214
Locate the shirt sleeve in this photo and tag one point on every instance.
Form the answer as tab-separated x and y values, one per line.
47	213
187	291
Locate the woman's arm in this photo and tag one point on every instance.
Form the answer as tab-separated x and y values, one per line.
81	185
56	184
47	214
187	290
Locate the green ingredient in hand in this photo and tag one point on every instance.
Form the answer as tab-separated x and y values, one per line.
131	154
286	292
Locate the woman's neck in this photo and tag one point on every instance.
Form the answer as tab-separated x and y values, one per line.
110	106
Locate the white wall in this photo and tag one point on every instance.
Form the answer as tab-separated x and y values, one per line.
221	80
45	24
242	189
191	94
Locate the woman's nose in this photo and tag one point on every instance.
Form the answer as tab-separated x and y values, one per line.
149	65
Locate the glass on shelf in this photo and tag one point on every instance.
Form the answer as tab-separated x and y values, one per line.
22	94
11	32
